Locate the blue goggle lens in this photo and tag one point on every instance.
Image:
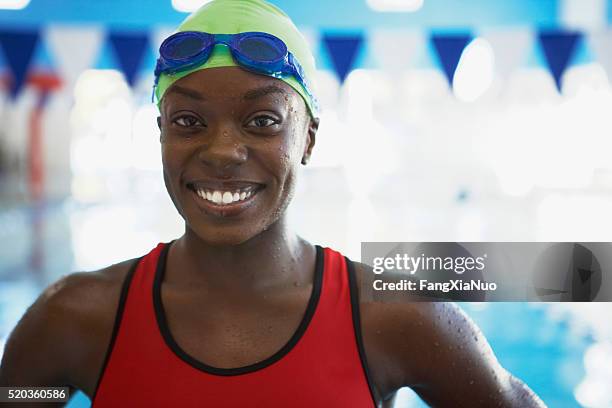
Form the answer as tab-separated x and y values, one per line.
186	47
261	49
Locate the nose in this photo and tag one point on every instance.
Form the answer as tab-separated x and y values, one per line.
223	150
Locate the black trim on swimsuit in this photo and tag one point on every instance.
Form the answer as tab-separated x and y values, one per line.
118	316
357	325
173	345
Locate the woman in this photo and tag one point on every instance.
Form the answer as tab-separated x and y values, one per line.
240	311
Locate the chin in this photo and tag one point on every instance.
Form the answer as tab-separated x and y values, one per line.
224	236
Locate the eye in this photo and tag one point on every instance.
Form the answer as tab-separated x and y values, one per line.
187	121
262	122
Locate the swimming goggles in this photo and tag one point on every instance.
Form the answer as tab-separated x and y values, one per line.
258	52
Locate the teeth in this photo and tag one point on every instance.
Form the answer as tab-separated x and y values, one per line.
227	197
224	197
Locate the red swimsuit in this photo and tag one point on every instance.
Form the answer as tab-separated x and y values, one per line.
322	365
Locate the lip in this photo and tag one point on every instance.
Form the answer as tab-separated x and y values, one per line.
225	210
227	185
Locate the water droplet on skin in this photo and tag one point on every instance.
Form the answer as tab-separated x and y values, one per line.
420	323
377	331
449	321
436	343
471	382
476	338
459	330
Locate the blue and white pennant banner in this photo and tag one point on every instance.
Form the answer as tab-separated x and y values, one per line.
66	51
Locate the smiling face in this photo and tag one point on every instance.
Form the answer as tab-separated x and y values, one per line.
231	145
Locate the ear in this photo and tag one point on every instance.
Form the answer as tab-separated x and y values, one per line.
160	128
313	126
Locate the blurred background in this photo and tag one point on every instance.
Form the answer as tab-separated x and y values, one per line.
443	120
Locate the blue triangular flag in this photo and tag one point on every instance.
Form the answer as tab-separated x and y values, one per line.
18	47
558	47
449	48
343	50
129	50
3	70
2	61
4	74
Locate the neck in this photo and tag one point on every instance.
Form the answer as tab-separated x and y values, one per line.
273	257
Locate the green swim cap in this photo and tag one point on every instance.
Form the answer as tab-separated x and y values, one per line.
238	16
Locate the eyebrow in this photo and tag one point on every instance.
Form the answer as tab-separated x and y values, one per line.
263	91
187	92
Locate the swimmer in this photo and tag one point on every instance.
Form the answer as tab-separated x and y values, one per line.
239	311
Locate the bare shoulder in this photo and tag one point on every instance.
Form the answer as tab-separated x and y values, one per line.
78	297
402	310
410	332
68	327
432	347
